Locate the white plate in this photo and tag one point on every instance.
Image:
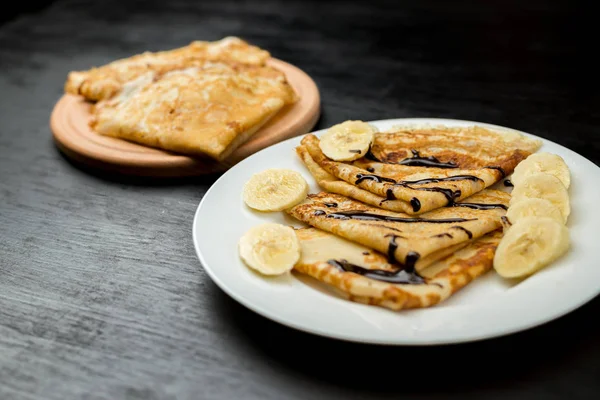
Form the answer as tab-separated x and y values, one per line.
488	307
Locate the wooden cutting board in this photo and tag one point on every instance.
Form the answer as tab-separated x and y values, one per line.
74	137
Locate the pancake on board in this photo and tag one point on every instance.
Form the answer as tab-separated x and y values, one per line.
421	181
200	111
362	275
415	242
105	81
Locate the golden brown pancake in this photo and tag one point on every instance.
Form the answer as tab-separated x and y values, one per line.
208	110
409	240
415	189
334	261
105	81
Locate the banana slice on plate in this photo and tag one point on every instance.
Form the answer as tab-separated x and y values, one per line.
347	141
270	248
275	189
542	186
549	163
529	245
533	207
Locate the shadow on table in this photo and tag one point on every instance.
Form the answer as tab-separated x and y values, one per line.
116	177
550	350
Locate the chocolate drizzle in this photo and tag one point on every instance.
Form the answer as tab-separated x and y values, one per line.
505	220
370	169
417	161
502	172
508	183
440	235
329	205
319	212
392	247
481	206
468	232
401	276
415	203
451	195
355	151
367	216
446	179
371	177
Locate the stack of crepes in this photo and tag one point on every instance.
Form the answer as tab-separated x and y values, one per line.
409	220
204	99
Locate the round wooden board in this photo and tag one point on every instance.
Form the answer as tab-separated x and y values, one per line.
72	134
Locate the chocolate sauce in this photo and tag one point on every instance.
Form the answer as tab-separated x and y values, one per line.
481	206
415	203
367	216
502	172
411	259
401	276
443	235
450	194
468	232
320	212
417	161
508	183
389	194
370	156
355	151
329	205
392	246
505	220
449	178
366	253
376	178
370	169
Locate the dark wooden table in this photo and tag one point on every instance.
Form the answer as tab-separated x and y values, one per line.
101	293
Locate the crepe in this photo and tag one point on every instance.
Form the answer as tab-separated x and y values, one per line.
208	110
322	252
105	81
415	242
416	189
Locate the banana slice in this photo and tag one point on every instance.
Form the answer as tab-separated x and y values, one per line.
529	245
549	163
275	189
347	141
270	248
543	186
533	207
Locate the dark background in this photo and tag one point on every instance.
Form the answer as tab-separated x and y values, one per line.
101	294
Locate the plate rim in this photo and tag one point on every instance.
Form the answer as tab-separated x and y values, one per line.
408	341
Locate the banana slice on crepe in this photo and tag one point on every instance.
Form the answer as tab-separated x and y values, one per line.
270	248
347	141
275	189
529	245
542	186
549	163
533	207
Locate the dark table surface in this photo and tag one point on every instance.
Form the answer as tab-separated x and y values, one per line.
101	293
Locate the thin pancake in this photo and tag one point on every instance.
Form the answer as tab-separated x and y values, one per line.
404	238
468	147
197	111
411	189
441	280
105	81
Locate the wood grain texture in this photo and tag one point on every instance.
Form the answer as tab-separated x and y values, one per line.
101	294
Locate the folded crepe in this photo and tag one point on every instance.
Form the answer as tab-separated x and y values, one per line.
428	177
362	275
415	242
105	81
208	109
